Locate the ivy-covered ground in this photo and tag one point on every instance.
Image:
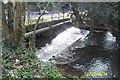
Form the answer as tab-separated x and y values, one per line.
21	64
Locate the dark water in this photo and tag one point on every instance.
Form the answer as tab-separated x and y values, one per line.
75	52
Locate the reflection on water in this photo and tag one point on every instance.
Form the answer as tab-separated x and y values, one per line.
110	37
99	55
109	41
96	53
98	66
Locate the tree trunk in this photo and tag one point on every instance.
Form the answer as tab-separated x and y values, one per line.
76	13
10	17
6	36
32	43
18	24
13	31
24	4
5	30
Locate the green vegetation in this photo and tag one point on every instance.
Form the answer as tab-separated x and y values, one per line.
84	15
20	63
103	12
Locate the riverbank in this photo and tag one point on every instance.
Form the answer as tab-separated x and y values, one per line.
21	64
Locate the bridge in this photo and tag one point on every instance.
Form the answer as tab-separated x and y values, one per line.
45	27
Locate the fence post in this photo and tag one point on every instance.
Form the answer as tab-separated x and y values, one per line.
58	15
63	14
42	18
52	16
28	18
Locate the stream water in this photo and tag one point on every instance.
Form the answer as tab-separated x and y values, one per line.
75	52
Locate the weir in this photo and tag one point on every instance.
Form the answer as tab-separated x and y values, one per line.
61	42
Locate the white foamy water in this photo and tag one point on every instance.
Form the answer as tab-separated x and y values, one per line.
61	42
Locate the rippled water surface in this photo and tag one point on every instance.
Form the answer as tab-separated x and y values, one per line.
75	52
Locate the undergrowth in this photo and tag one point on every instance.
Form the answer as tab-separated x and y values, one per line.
21	64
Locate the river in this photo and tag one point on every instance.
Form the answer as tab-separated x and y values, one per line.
76	51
